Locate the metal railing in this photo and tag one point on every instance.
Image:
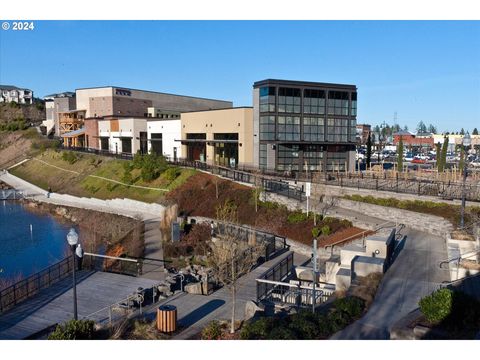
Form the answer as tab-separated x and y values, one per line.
271	286
279	272
268	184
274	244
11	194
26	288
127	307
448	190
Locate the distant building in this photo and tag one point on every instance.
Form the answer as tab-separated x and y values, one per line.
222	137
414	142
117	101
455	140
362	133
19	95
304	126
54	105
111	105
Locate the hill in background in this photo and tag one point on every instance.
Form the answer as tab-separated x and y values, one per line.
11	112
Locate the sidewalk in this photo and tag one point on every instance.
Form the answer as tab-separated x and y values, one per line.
151	214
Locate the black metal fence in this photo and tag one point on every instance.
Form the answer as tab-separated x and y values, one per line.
24	289
274	244
448	190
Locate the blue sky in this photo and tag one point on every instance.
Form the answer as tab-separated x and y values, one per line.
427	71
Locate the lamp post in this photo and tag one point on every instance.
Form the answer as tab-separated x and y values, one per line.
315	271
467	140
72	239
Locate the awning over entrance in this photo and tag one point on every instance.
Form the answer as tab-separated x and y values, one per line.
74	133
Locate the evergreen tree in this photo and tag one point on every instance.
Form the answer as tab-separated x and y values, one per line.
438	148
432	129
475	131
421	127
400	155
462	132
369	150
444	152
405	128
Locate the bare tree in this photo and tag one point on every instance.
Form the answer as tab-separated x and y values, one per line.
257	186
321	202
231	257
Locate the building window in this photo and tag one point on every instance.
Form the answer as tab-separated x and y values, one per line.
354	104
313	129
313	158
288	157
337	160
263	156
337	130
288	128
337	103
353	130
267	99
267	127
314	102
289	100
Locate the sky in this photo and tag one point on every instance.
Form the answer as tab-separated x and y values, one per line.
421	70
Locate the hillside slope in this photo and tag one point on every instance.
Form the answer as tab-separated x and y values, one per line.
29	113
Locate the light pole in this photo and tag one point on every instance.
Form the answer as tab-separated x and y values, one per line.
315	270
72	239
467	140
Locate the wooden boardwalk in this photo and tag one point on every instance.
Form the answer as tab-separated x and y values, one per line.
95	291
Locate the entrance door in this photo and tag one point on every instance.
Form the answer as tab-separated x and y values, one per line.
104	143
156	144
126	145
143	142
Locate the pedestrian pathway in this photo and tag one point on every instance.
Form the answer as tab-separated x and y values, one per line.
414	274
95	291
195	311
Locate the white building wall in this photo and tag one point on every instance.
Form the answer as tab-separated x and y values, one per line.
171	131
129	127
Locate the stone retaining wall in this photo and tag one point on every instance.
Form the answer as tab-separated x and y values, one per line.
434	225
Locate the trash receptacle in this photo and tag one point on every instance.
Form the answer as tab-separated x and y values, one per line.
167	318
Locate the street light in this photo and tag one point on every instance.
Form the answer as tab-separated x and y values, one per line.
467	140
72	239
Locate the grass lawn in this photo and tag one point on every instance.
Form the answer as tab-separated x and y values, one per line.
79	180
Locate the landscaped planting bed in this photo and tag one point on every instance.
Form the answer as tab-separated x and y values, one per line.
198	197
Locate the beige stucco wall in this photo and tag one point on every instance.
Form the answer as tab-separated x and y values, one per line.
235	120
83	98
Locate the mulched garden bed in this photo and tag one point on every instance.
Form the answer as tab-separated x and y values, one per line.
197	197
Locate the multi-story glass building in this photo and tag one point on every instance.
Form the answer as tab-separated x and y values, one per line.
301	126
